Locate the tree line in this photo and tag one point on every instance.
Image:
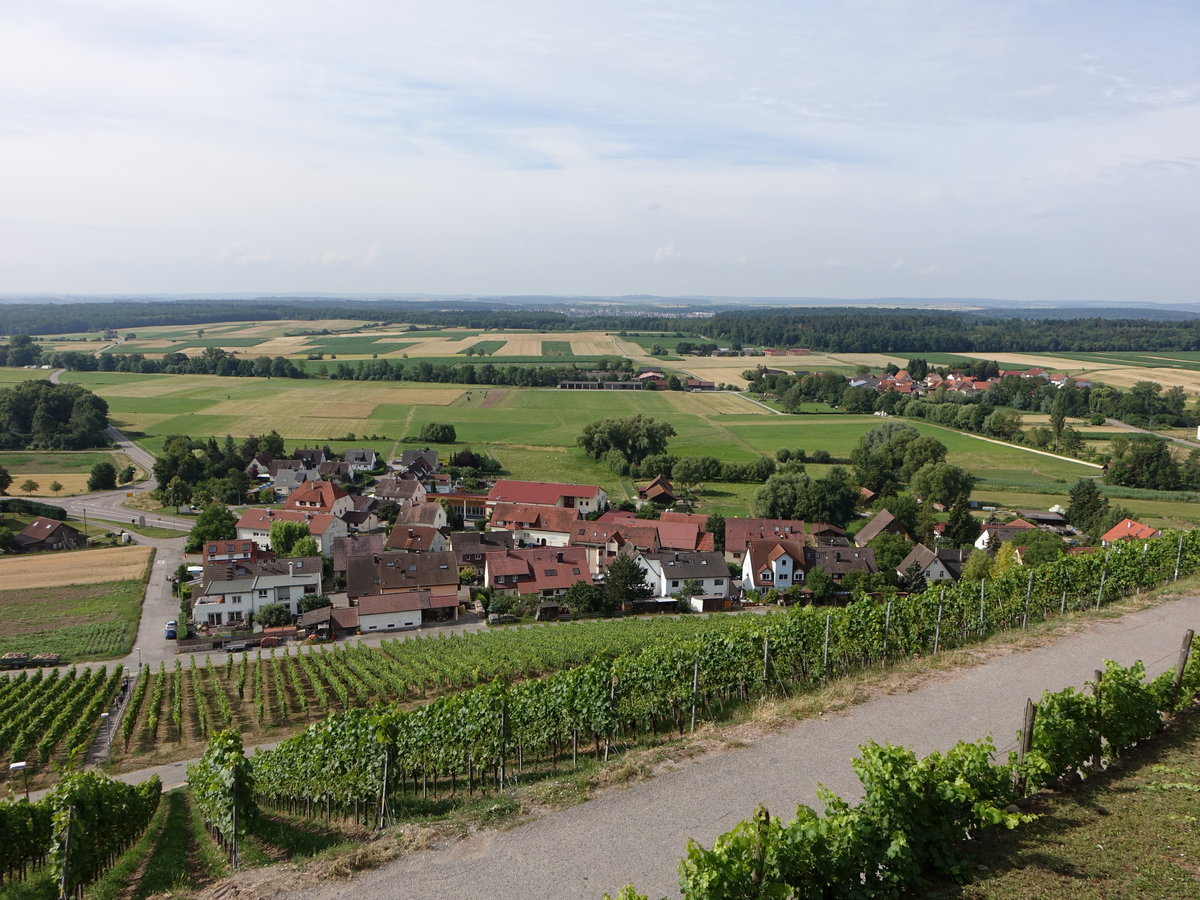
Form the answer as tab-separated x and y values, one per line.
821	328
38	415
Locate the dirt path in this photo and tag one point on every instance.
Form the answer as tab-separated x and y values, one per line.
639	834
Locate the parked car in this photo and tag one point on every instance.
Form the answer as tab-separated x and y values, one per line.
171	631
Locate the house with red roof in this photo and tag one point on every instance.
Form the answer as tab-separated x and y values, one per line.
398	610
586	498
545	526
740	532
319	497
547	572
255	524
1128	530
772	564
416	539
658	491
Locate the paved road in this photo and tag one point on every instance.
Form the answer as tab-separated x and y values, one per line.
639	834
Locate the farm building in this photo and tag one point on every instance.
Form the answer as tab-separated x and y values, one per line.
49	534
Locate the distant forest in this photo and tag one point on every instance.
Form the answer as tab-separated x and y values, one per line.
833	330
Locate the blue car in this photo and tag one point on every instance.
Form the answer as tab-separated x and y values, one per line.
171	631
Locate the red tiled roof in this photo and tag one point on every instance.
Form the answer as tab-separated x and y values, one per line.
412	537
739	532
260	520
538	493
319	494
540	518
1128	529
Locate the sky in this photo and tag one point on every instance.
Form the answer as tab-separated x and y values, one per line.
1041	151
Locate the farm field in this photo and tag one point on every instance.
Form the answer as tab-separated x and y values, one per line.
532	431
86	567
9	375
71	469
79	621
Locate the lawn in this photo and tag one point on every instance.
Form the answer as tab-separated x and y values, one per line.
9	375
557	348
80	622
483	348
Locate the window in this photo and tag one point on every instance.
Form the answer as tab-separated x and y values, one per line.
675	583
718	581
262	592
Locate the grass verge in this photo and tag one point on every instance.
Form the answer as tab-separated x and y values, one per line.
1131	832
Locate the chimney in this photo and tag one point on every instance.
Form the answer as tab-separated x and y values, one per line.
291	570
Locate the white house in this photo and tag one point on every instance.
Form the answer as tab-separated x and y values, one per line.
773	564
231	602
255	524
666	573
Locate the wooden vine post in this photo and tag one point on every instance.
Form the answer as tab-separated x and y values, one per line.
1097	725
825	663
1028	594
1025	746
695	685
1184	653
887	628
1178	556
1103	575
937	628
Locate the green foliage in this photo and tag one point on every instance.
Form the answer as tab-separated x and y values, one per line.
284	534
942	482
94	819
103	477
222	786
215	523
1143	462
962	528
624	583
272	615
39	415
306	546
634	437
794	495
977	567
437	433
5	479
309	602
820	584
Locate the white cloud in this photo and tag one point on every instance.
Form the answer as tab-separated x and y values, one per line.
1032	149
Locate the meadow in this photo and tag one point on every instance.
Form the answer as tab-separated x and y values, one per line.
71	469
533	431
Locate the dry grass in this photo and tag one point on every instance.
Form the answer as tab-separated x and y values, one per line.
75	567
75	483
713	404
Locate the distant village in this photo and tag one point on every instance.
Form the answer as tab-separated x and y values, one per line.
416	548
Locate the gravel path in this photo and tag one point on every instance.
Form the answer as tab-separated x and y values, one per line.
639	834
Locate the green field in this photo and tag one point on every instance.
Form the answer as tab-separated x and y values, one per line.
557	348
533	431
356	345
80	622
10	375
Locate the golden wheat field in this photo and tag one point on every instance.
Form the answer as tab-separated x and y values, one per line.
73	567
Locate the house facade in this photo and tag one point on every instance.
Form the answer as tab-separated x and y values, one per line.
773	564
586	498
668	573
232	602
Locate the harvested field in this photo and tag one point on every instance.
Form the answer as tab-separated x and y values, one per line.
523	346
1128	376
73	567
280	346
74	483
872	360
719	403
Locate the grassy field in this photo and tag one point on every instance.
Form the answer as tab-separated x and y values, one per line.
80	622
1129	833
533	432
483	348
71	469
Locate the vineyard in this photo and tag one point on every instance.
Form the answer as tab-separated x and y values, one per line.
48	717
356	764
258	694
